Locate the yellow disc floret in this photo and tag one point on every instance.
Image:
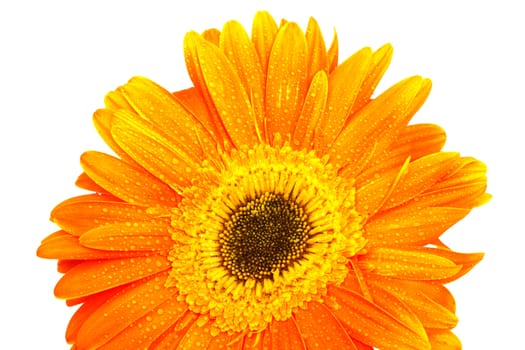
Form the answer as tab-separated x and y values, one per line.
261	234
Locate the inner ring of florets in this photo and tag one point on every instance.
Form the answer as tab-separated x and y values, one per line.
265	235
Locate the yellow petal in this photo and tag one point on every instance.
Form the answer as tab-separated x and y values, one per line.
333	53
212	35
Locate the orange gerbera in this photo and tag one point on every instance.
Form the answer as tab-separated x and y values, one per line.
274	205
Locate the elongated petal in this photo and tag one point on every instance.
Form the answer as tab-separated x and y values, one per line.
240	51
317	59
172	337
421	175
137	236
85	311
80	214
286	83
212	35
226	92
333	54
66	246
153	151
96	276
375	127
444	341
127	182
170	118
142	332
264	30
408	264
117	313
313	108
285	335
86	183
431	313
191	42
378	65
372	325
102	120
320	329
411	226
344	86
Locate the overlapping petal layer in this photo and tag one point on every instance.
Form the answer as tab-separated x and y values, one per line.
284	89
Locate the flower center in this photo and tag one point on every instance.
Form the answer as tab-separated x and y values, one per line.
263	236
260	233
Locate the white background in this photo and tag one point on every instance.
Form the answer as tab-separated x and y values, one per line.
59	58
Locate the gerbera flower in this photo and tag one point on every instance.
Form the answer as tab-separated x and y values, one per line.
273	205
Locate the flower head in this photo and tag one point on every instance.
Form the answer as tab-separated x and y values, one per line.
274	204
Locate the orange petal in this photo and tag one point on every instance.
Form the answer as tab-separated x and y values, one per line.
80	214
285	335
317	59
444	341
333	53
169	117
320	329
344	85
198	336
375	127
411	226
286	83
421	174
390	303
379	63
464	188
226	92
430	312
137	236
68	247
313	108
372	325
212	35
127	182
191	42
410	264
264	30
102	119
92	277
120	311
86	183
192	100
152	151
467	261
172	337
145	330
84	312
240	51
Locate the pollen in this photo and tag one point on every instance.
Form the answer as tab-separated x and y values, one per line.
262	233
